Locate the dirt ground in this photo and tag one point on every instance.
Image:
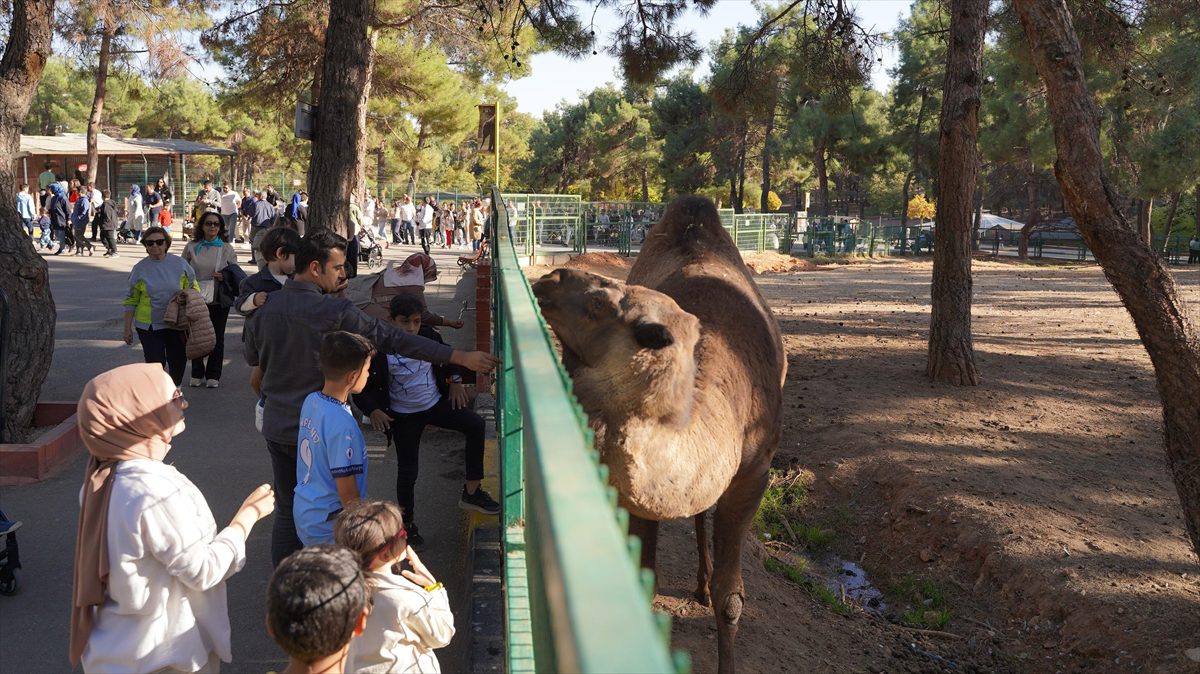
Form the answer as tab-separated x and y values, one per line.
1039	503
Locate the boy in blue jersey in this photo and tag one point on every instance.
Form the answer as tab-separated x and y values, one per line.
331	471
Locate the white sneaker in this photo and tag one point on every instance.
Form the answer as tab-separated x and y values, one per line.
213	383
197	382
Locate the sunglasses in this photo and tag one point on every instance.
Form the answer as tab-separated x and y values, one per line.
154	242
212	223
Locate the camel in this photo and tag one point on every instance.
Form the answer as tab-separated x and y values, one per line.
680	371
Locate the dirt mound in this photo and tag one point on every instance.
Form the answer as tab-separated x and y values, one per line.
770	262
605	264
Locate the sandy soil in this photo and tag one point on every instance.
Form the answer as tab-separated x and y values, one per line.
1039	502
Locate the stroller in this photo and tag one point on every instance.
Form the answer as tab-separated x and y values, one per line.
369	249
10	559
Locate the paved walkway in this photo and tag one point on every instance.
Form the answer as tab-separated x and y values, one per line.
223	454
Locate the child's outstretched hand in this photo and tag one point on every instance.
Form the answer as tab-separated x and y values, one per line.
380	421
419	575
458	397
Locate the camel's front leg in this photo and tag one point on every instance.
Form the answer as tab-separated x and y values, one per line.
647	530
705	568
735	511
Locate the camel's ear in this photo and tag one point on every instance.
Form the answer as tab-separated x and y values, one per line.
652	335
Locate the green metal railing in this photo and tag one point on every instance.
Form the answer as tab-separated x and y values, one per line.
576	599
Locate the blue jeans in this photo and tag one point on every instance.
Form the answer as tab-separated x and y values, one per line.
408	231
27	225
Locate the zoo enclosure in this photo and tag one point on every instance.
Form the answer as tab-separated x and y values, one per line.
575	597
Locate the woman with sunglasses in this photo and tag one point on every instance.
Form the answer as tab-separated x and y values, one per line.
150	562
152	283
209	255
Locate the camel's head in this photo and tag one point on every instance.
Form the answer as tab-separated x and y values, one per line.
626	332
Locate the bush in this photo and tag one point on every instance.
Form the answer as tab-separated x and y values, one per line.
773	201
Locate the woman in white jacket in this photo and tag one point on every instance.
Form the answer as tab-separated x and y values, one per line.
150	565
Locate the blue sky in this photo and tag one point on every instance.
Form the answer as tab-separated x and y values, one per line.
556	78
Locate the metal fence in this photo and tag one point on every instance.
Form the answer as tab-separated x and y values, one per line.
576	599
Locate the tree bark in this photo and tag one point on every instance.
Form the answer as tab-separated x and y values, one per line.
1145	208
415	173
1175	199
976	221
1141	280
916	164
360	160
1033	214
822	178
23	274
951	353
93	128
336	145
1196	208
766	163
645	185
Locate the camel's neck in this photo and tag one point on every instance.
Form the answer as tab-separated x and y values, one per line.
670	448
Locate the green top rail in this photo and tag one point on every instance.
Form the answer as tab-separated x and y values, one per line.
574	589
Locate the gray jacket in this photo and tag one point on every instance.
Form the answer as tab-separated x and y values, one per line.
283	337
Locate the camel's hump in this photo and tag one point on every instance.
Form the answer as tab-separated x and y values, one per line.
692	226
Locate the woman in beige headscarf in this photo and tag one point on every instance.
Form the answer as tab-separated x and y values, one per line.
150	565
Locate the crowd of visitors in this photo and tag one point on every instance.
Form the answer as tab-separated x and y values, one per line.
349	590
56	217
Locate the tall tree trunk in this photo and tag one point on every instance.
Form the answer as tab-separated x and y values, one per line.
1175	199
415	173
977	220
766	163
93	127
379	177
915	169
1196	208
951	353
740	205
1033	214
23	275
1145	208
645	185
1141	280
336	145
822	177
360	160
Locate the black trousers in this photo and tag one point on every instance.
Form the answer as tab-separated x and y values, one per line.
406	435
426	236
284	540
211	369
1193	256
166	347
109	238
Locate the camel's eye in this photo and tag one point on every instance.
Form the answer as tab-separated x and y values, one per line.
599	303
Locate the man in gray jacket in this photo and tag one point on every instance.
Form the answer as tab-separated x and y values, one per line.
282	343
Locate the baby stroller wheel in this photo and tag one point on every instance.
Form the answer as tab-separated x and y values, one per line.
375	258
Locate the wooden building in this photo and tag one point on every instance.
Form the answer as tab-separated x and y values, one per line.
123	162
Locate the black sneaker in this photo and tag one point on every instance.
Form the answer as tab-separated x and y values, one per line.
480	501
415	538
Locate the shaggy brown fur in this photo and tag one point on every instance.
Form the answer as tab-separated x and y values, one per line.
681	373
